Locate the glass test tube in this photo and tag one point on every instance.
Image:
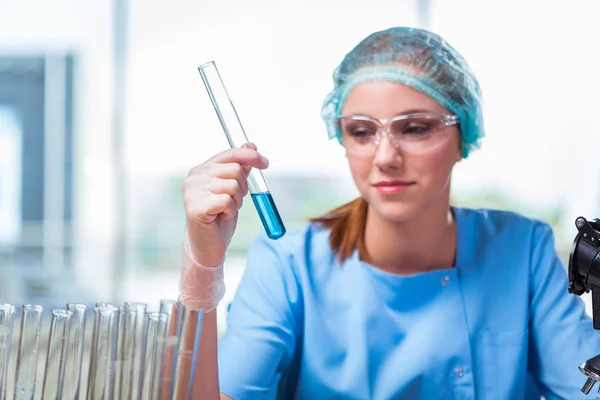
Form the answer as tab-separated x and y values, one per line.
150	342
27	356
158	363
131	349
236	136
118	350
189	340
198	334
101	370
73	365
7	321
174	313
138	352
126	336
54	374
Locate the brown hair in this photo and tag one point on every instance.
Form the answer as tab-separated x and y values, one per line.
347	224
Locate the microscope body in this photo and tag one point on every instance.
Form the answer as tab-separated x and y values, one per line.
584	275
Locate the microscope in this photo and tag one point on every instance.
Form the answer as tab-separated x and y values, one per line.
584	275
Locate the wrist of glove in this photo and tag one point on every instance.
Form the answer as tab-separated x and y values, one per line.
201	288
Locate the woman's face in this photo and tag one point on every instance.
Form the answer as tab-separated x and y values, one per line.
400	184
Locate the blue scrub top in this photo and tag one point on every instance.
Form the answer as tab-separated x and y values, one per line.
500	325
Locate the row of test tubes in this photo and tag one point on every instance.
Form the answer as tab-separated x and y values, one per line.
134	353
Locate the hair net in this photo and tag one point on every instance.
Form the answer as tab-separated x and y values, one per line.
417	58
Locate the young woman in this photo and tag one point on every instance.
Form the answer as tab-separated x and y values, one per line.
398	294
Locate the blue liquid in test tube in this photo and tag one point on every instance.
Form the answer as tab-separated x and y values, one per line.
236	136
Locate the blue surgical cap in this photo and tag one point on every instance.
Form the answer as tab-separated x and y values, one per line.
419	59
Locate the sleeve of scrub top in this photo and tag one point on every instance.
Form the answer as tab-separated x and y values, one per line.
259	341
561	333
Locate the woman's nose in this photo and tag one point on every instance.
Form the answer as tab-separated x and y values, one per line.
386	154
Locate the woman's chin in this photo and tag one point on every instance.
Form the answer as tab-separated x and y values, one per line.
396	212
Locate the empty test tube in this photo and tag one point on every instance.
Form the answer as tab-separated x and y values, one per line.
131	333
56	356
138	352
174	312
101	370
27	355
75	346
7	321
166	307
236	136
151	323
152	340
126	347
159	357
189	339
120	344
197	334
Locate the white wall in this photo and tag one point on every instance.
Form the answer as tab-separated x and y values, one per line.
82	27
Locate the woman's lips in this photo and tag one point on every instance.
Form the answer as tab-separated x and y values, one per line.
391	187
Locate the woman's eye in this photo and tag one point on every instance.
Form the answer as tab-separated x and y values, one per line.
416	128
358	132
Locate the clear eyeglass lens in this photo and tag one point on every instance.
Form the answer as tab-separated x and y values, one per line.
414	134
